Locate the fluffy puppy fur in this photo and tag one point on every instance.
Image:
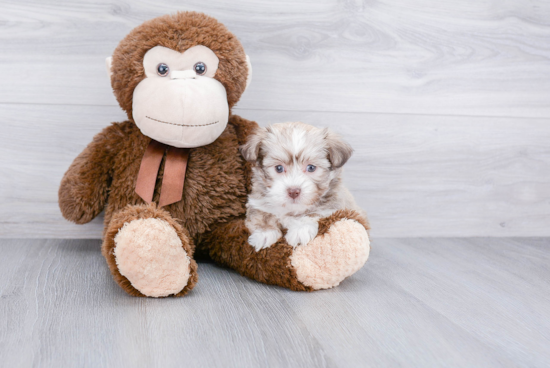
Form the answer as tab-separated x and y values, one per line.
296	180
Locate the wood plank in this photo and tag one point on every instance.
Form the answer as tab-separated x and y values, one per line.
60	307
491	275
417	302
423	56
438	302
415	175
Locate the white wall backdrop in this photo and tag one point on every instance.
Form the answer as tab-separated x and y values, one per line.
446	102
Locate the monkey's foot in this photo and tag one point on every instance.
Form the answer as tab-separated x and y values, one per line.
339	251
149	253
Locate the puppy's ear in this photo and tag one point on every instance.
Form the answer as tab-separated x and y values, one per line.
338	151
251	149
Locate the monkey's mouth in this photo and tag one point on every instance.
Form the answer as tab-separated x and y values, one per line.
182	125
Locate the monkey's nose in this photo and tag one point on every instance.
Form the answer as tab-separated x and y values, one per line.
294	192
183	74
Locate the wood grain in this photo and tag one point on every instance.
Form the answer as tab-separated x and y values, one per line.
417	302
469	57
438	302
446	102
414	175
60	307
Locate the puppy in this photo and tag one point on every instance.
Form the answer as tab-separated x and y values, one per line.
296	180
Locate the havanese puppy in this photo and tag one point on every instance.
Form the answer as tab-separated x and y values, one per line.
296	180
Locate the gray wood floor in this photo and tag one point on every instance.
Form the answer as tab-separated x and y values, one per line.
433	302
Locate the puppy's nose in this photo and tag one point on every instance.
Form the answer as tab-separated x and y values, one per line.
294	192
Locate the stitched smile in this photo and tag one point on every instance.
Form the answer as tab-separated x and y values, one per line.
182	125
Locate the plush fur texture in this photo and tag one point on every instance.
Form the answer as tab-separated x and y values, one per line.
328	259
296	181
170	107
150	255
136	213
209	220
178	32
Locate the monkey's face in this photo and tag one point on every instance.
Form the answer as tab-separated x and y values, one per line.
177	77
179	103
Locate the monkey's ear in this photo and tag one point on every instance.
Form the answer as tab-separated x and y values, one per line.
338	151
251	149
249	76
108	63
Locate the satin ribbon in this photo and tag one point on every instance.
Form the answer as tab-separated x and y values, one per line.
171	190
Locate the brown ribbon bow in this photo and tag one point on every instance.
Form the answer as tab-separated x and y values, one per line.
171	190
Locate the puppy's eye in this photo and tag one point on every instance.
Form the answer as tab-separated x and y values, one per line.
279	168
311	168
163	70
200	68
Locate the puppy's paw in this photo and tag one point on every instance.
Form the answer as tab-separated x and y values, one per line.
302	234
263	239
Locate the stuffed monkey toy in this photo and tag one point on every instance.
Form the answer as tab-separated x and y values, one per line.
171	179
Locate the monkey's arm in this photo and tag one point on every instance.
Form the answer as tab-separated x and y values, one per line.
84	187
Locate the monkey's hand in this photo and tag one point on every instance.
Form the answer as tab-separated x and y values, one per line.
84	187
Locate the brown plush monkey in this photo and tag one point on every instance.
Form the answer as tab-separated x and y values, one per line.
171	178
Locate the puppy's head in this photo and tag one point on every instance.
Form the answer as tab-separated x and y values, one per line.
295	164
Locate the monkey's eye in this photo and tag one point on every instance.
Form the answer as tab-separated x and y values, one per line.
311	168
163	70
200	68
279	168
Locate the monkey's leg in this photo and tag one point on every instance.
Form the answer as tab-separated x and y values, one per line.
149	253
340	249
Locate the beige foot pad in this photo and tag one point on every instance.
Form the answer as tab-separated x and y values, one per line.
328	259
150	255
